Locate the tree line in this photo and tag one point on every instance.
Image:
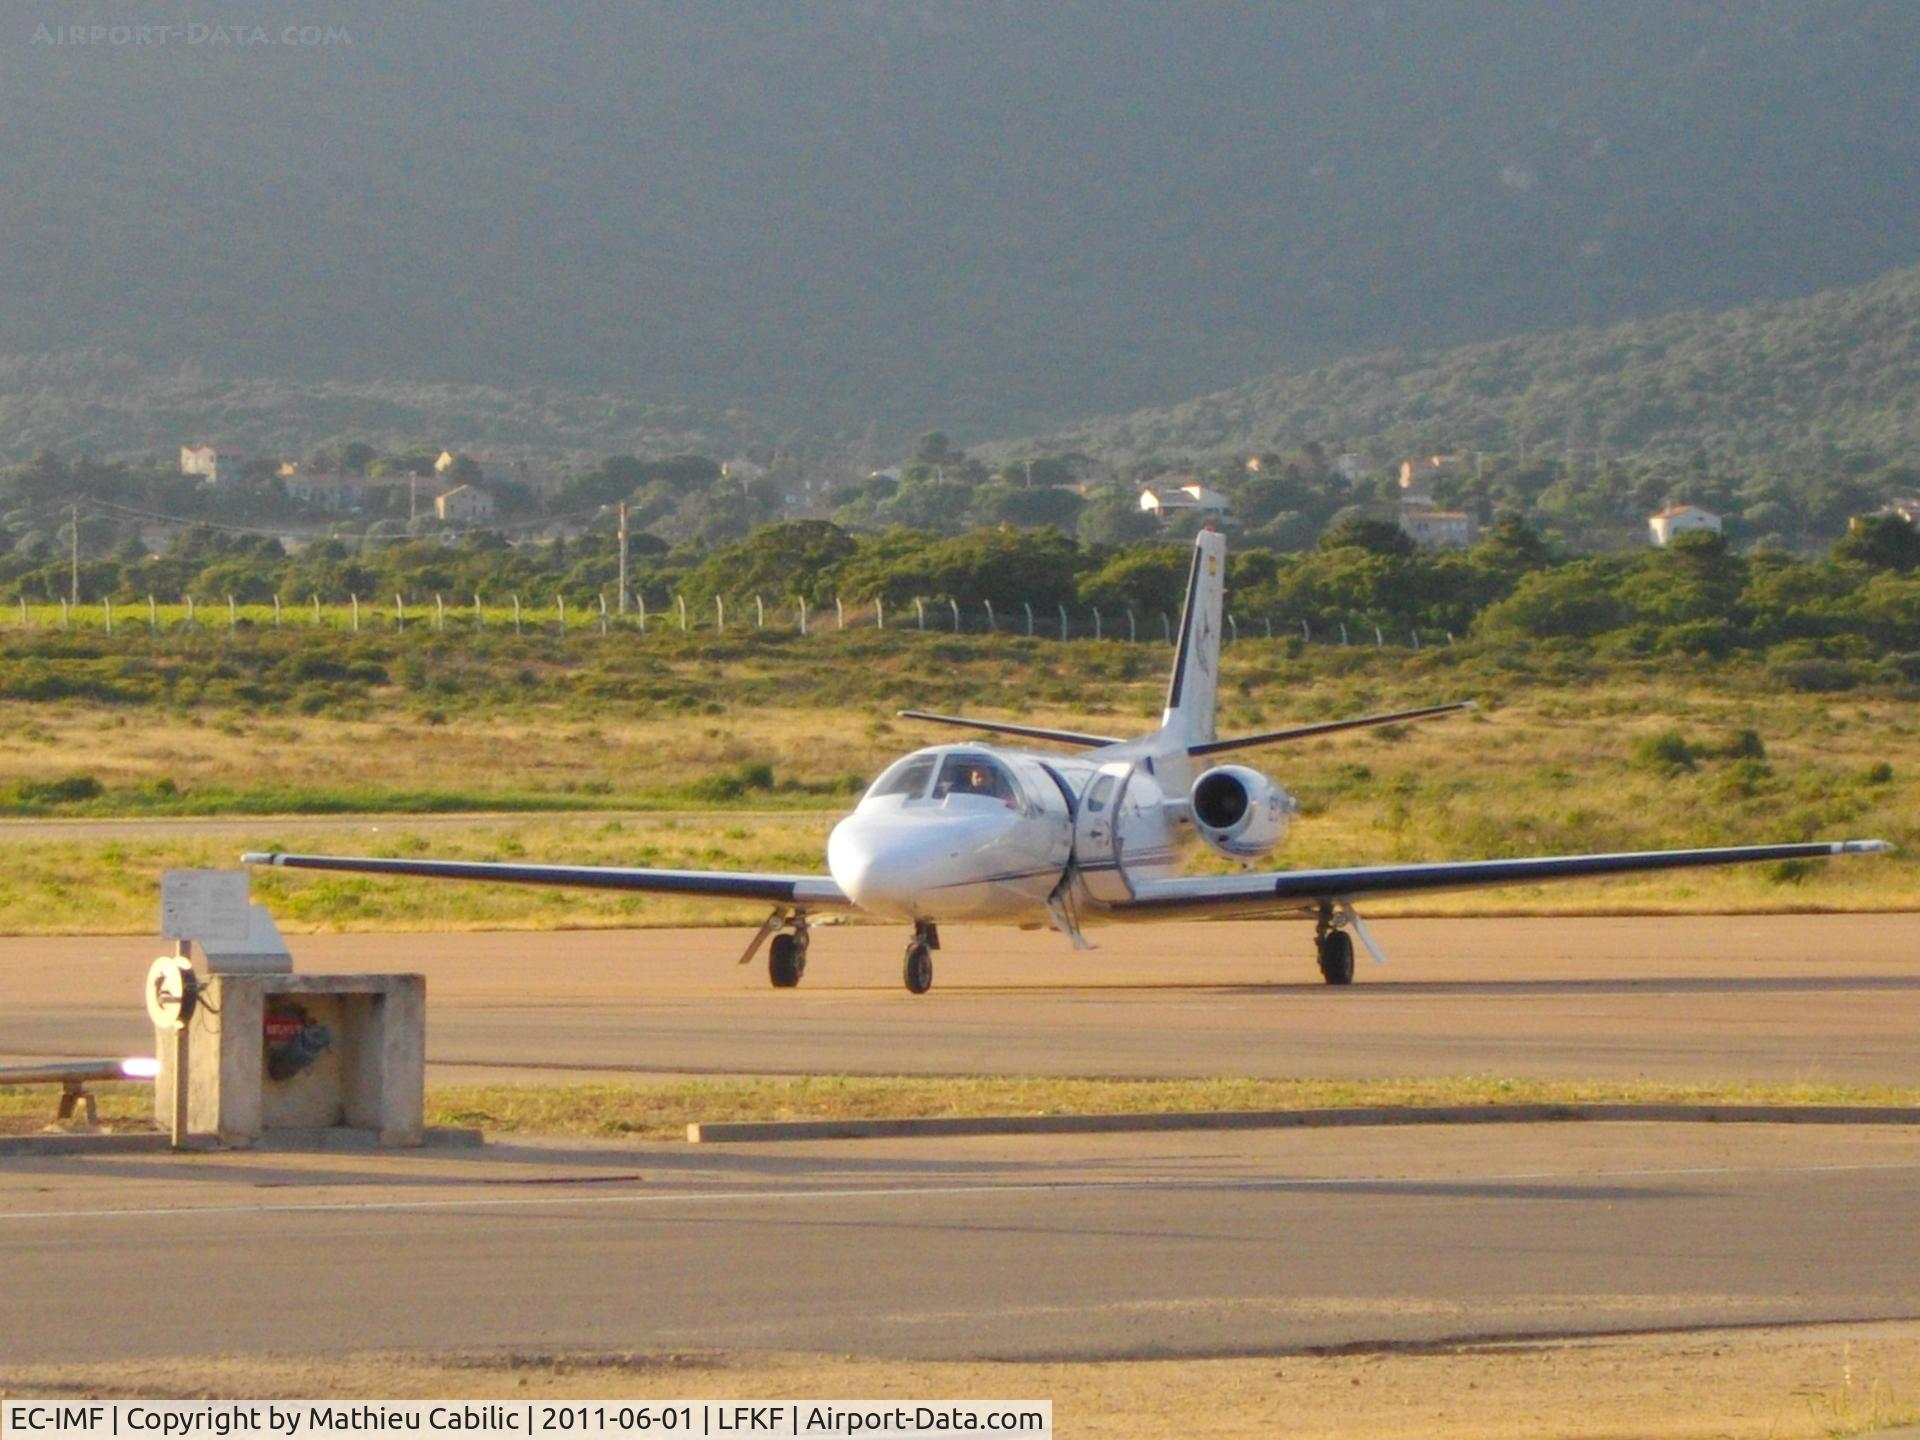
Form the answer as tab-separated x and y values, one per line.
1697	599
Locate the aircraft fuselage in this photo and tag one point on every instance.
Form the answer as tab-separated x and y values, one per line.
1047	836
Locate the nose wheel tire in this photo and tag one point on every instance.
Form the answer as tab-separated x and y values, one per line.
1336	957
786	961
919	968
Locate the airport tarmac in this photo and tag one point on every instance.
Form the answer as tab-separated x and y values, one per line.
1705	999
1352	1255
1023	1249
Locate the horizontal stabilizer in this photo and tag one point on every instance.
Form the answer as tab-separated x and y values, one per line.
1029	732
1325	727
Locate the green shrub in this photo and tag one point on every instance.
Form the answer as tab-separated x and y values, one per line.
732	784
1815	676
69	790
1743	779
1667	751
1905	665
312	666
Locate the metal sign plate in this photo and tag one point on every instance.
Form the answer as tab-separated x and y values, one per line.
209	906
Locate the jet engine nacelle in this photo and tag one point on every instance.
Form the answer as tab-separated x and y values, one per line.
1239	812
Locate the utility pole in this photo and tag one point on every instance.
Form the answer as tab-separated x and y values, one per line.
623	557
413	497
1029	474
76	555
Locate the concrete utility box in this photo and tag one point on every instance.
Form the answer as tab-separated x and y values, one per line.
306	1053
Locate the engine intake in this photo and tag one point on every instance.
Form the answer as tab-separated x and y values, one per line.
1239	812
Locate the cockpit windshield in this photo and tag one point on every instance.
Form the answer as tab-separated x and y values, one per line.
975	775
906	777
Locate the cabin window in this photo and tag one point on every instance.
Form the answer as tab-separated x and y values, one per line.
1097	797
908	777
975	775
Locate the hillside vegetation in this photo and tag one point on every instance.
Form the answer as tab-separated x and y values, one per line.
1807	381
992	217
106	402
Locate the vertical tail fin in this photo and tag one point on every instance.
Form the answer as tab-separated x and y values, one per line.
1196	660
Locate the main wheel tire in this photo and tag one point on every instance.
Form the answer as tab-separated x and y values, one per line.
1336	958
919	968
785	962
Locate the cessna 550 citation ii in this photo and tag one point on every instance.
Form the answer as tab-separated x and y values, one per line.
1088	832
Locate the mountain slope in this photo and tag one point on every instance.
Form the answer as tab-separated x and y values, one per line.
1836	372
112	407
988	217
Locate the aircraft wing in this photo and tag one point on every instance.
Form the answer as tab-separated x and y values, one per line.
1268	892
802	892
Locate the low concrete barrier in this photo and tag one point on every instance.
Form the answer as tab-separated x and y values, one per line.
741	1131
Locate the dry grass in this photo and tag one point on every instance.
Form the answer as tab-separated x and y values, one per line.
1538	770
662	1110
25	1109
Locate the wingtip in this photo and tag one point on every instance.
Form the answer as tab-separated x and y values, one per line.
259	857
1862	847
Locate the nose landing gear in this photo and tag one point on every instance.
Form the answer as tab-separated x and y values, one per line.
918	971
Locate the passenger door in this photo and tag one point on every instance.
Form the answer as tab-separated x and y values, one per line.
1096	834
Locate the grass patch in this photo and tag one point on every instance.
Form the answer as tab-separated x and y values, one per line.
123	1105
662	1111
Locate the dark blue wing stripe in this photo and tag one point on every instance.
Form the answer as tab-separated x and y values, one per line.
1303	887
780	888
1441	875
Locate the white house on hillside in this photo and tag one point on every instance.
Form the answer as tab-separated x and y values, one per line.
1438	529
208	463
1681	520
464	503
1184	499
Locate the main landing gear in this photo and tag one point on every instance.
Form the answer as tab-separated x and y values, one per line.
787	955
1334	949
918	971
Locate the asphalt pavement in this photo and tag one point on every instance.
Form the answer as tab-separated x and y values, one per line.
1027	1248
1703	999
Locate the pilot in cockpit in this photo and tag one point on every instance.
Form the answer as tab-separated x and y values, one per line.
970	775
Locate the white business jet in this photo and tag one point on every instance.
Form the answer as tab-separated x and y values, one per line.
1089	832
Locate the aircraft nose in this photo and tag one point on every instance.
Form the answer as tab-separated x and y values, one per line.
884	869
